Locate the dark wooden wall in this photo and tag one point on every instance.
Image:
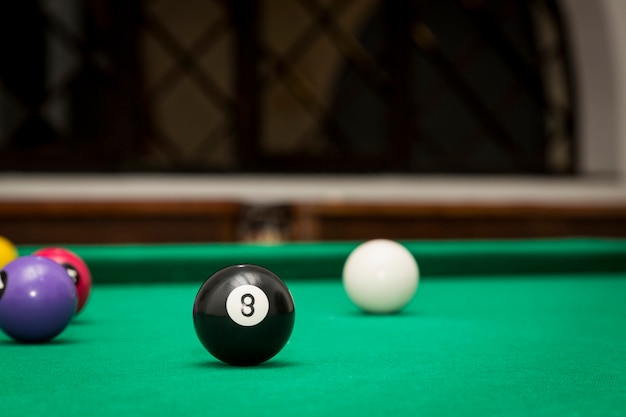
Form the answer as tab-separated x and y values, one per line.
212	221
118	222
452	221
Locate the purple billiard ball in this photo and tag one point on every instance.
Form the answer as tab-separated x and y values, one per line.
37	299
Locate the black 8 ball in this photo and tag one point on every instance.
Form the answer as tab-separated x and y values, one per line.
243	314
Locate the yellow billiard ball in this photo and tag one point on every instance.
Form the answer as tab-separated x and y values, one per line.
8	251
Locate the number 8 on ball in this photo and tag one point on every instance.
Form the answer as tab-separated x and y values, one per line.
247	305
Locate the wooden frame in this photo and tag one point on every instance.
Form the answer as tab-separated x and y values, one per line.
98	222
52	222
455	221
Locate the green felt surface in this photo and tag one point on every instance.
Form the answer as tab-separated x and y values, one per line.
509	347
512	344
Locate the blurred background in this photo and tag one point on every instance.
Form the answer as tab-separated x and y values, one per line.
276	120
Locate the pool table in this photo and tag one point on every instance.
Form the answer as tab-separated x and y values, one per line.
497	328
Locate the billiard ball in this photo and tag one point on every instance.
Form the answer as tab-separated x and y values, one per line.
76	267
243	314
37	299
8	251
380	276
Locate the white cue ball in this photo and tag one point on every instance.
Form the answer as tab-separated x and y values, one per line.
380	276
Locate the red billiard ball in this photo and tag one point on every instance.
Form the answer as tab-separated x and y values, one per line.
37	299
243	314
76	268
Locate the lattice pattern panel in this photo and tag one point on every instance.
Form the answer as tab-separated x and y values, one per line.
426	86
